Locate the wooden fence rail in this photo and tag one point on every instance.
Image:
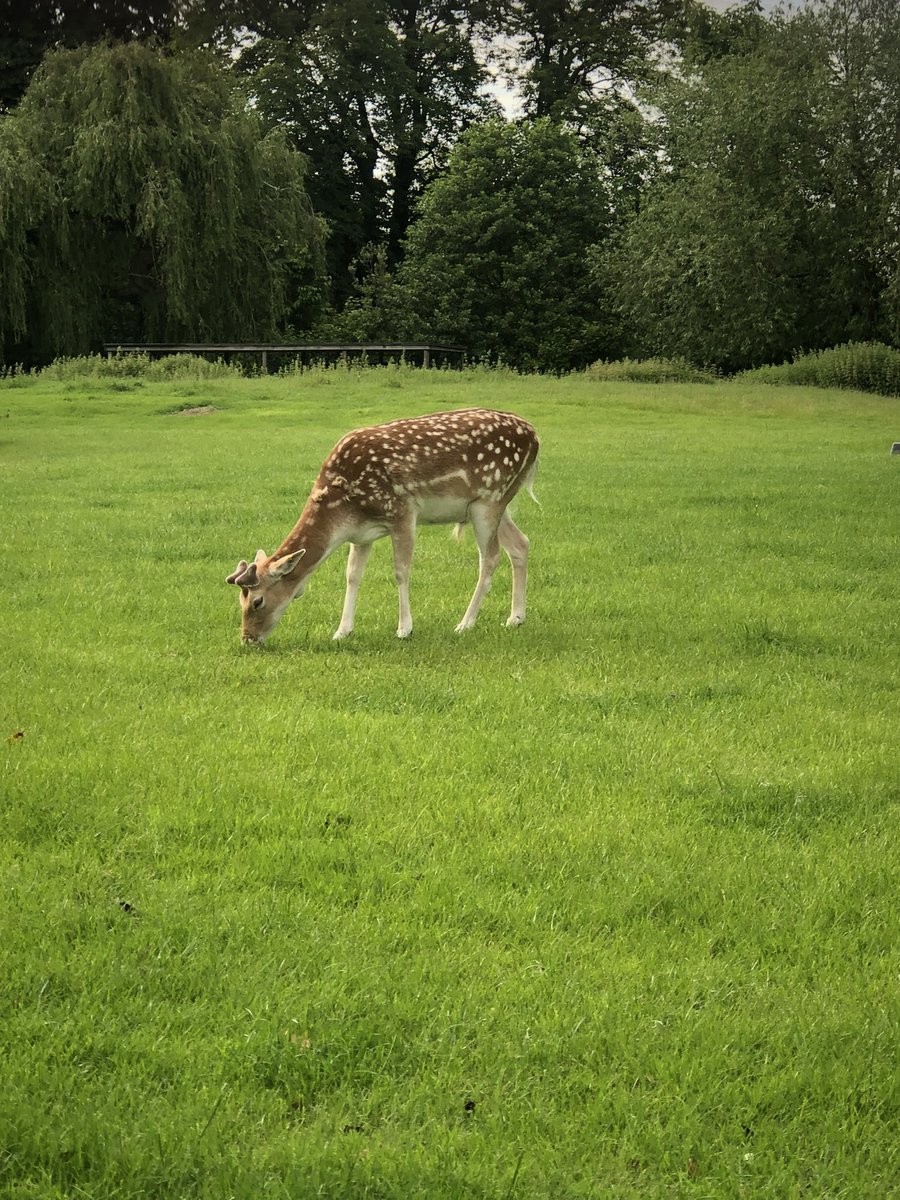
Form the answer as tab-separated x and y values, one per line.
427	355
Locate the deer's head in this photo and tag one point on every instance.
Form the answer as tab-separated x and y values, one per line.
266	590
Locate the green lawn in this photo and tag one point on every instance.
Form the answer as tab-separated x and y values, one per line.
605	906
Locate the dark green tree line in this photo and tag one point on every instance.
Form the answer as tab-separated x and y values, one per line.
376	92
497	259
720	186
374	95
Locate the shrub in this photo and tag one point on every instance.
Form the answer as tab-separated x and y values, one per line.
863	366
651	370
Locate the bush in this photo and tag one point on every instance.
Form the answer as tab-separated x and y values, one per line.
863	366
651	370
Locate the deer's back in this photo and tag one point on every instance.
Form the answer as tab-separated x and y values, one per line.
471	454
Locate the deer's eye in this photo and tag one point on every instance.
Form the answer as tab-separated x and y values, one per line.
258	601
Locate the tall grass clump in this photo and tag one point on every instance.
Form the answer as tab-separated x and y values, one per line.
862	366
354	365
650	370
137	366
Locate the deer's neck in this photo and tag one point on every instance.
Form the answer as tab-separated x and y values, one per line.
322	527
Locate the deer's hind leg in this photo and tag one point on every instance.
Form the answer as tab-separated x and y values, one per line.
485	518
515	543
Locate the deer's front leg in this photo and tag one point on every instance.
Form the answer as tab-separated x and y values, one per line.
356	565
403	536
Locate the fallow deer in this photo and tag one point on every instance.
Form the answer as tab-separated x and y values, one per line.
446	468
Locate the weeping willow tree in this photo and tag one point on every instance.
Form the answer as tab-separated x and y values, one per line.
141	200
24	193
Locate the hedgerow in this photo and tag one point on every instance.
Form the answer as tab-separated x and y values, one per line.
862	366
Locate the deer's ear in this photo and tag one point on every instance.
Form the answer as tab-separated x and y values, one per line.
261	557
284	566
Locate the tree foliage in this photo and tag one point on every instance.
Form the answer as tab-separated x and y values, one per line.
374	93
153	207
568	54
29	28
496	259
729	197
773	226
719	263
859	112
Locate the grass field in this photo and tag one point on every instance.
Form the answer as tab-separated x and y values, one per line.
605	906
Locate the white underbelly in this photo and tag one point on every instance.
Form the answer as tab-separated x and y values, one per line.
367	533
442	510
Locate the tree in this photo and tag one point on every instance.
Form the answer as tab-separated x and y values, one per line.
568	53
152	207
719	264
773	226
29	28
859	43
497	258
373	92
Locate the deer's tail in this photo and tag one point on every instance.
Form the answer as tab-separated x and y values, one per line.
528	483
